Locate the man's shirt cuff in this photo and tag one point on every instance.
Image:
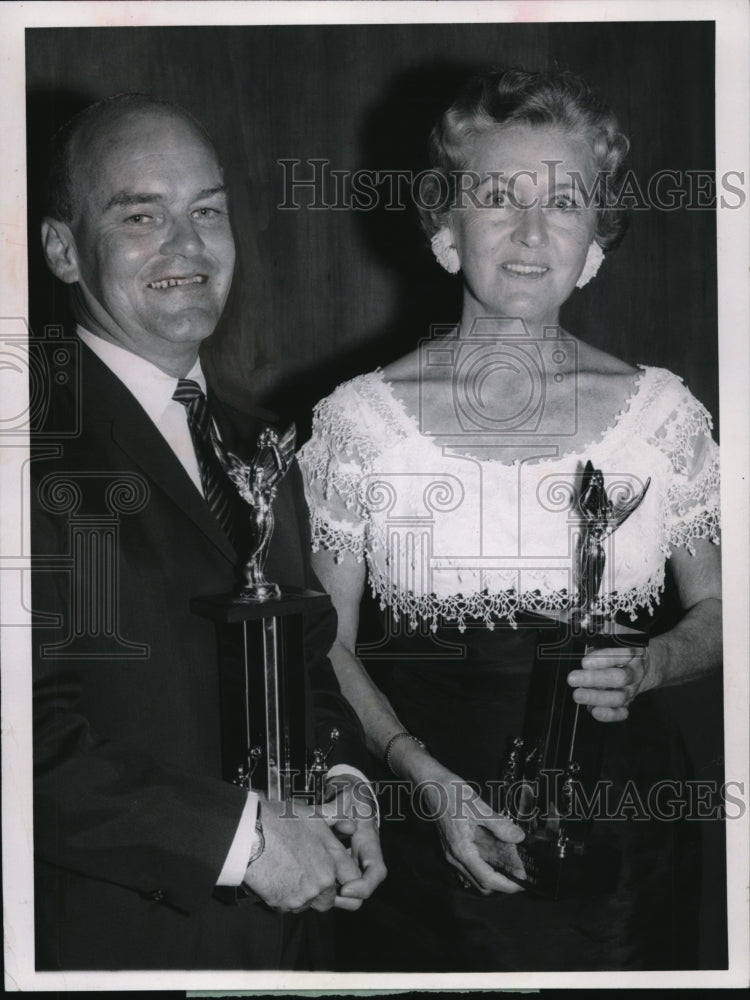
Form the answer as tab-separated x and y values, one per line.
243	845
355	772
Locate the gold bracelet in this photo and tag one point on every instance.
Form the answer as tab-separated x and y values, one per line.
389	747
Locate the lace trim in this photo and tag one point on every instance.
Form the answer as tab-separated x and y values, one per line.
691	422
693	509
663	385
332	425
690	509
378	392
345	434
336	480
505	605
492	608
336	436
337	538
676	436
705	524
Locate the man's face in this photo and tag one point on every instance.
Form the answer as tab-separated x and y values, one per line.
153	244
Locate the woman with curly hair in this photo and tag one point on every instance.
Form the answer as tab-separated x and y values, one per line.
438	480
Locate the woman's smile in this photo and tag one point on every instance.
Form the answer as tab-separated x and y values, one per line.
521	270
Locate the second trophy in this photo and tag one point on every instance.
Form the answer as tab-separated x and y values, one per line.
552	768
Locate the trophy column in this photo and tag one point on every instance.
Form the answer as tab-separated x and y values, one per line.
263	694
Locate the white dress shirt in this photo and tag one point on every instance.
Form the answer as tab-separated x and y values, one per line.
154	389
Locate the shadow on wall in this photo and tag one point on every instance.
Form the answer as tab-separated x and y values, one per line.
394	134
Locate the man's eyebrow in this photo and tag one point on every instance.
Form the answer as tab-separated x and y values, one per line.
207	192
123	199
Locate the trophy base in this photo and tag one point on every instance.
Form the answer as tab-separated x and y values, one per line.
581	869
575	873
230	608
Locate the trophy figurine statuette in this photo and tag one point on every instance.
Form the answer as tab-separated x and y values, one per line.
263	687
558	755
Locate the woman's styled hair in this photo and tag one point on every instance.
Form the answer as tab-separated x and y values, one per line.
514	96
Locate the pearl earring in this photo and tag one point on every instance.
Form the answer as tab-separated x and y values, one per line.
445	251
594	258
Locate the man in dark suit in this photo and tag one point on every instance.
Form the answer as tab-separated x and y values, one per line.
146	856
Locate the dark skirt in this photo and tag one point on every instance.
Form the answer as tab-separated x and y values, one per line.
465	696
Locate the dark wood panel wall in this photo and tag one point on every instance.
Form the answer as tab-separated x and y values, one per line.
322	294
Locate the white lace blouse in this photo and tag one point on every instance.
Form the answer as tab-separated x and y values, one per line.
448	535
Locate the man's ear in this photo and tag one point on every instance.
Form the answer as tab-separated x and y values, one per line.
60	250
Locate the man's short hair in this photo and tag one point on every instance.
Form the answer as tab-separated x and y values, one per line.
61	194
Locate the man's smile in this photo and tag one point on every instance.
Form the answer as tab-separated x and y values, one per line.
174	282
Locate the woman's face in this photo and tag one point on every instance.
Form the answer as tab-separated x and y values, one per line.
522	230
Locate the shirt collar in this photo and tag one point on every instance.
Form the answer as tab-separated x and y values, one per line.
152	387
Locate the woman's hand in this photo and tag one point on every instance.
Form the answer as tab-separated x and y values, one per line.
475	839
609	679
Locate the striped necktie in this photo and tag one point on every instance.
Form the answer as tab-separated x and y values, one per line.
217	490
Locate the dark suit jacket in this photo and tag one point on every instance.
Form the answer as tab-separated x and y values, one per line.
132	817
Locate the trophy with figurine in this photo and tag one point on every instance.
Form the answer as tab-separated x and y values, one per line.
550	773
263	692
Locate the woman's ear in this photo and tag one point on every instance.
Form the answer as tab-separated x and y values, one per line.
60	250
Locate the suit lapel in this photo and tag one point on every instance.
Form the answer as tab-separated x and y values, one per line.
107	400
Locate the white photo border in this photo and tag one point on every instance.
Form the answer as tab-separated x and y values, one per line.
731	22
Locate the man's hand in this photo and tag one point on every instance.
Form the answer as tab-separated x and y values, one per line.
354	820
609	679
303	862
